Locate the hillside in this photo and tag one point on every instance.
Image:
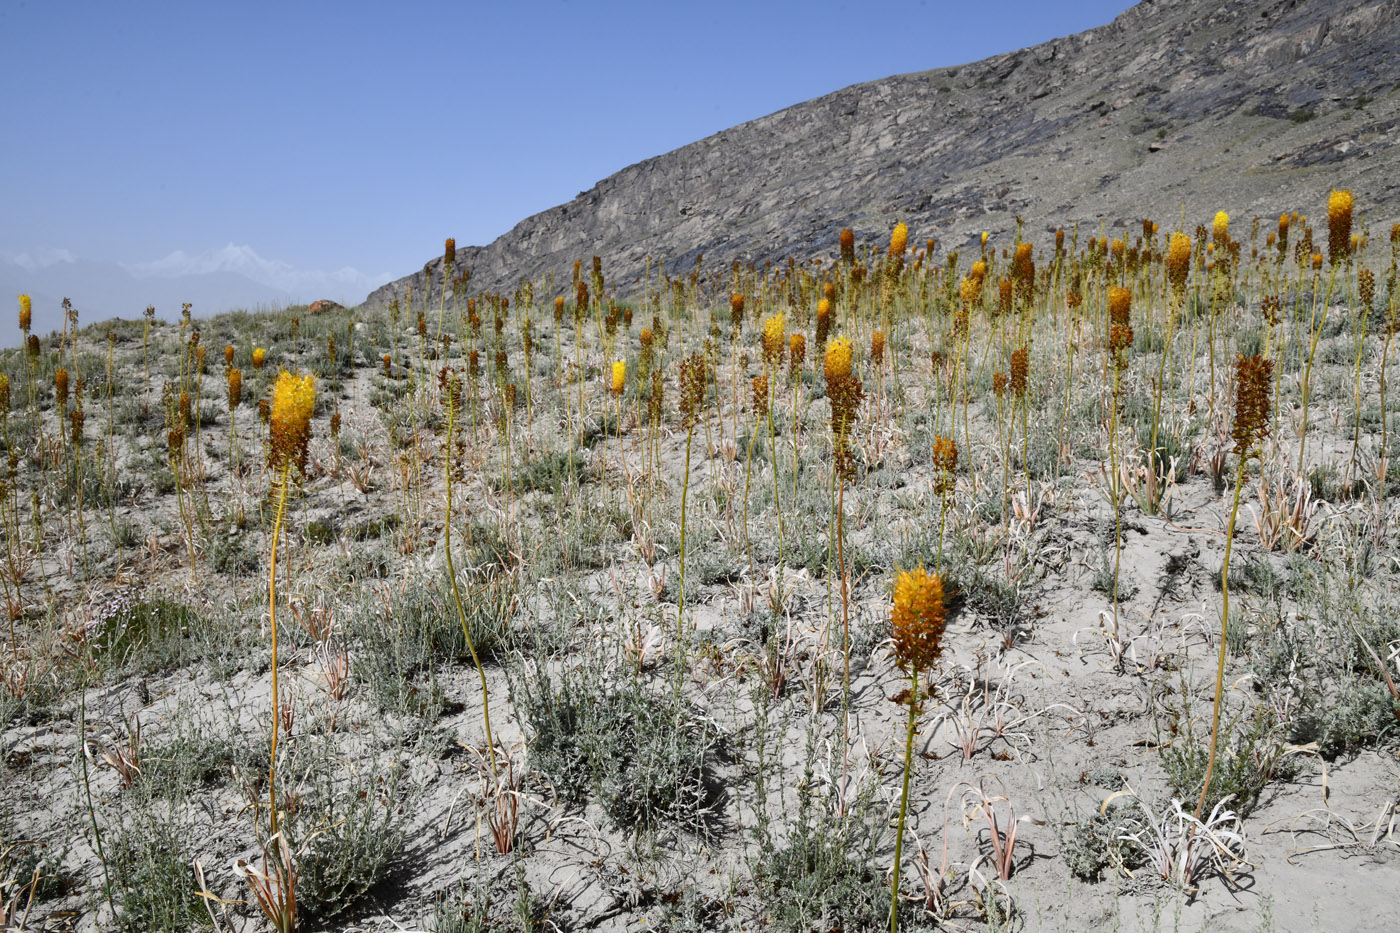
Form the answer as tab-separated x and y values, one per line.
1251	107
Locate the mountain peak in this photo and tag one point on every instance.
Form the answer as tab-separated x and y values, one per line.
1256	107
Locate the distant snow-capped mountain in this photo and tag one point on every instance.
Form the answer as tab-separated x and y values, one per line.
347	285
234	277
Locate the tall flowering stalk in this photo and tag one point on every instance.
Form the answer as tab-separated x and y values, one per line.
737	303
449	258
1020	383
1361	317
1340	205
234	377
450	382
692	404
76	442
999	384
844	392
150	316
1120	339
293	400
1253	384
760	411
26	321
1178	270
917	621
945	465
616	387
773	342
1392	324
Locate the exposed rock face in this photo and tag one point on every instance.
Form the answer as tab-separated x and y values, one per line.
1253	107
323	306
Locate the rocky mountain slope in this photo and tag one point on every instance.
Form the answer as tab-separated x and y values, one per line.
1254	107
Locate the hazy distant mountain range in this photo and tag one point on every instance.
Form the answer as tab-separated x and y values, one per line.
1176	107
218	280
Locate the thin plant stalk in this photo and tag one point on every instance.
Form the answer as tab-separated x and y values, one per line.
272	623
904	799
451	400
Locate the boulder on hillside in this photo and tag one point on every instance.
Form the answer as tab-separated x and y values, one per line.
324	306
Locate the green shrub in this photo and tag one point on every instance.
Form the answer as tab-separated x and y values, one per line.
642	752
153	879
348	831
488	906
146	633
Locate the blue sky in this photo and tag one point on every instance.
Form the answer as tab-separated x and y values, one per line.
318	137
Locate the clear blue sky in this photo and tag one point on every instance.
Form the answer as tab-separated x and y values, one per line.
356	134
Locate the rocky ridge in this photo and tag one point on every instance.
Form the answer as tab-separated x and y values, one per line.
1174	109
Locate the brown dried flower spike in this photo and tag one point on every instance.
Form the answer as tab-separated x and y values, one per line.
1020	371
760	396
1253	387
692	379
945	462
797	352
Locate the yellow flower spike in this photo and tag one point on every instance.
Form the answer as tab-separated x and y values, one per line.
899	239
259	358
971	290
235	387
797	351
619	377
1220	229
293	400
837	364
823	321
917	619
772	339
1120	304
1339	208
1178	261
26	313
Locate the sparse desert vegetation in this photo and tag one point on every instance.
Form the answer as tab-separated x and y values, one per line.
1038	584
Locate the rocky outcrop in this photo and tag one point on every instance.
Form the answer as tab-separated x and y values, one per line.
1254	107
323	306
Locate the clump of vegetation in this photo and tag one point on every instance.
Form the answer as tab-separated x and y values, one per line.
643	753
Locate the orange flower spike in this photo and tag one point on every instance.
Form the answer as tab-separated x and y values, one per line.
917	619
